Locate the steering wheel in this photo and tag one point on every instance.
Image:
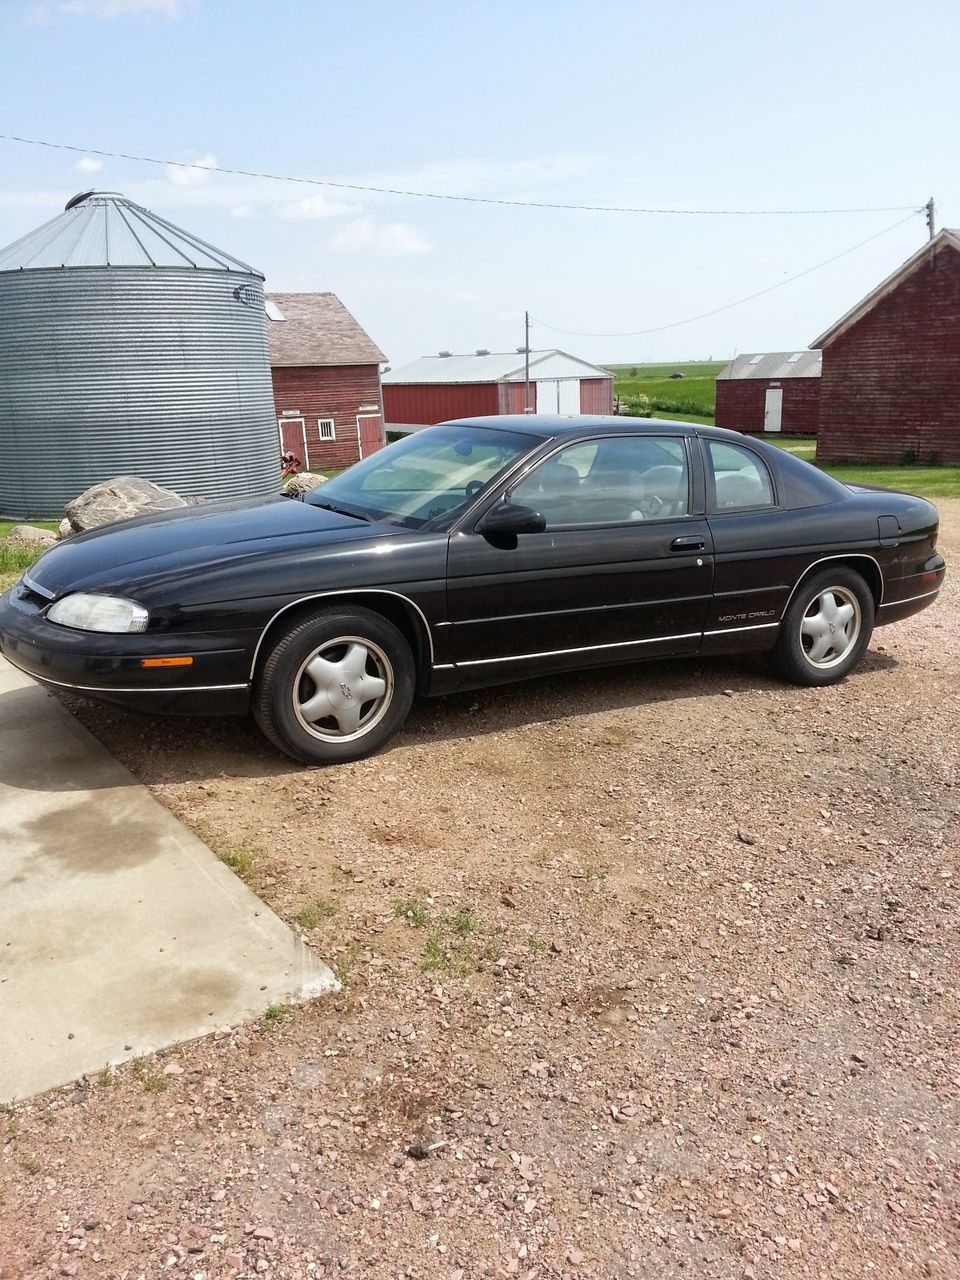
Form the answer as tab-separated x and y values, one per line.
472	488
650	505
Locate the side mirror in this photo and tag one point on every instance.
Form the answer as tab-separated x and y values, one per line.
507	519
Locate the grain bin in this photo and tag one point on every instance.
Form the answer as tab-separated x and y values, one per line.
129	346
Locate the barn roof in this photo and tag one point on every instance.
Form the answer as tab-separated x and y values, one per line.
316	329
486	366
773	364
944	239
105	229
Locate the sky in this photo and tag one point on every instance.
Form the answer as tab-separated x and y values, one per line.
682	105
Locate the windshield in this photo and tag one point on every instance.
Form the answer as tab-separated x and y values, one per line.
425	476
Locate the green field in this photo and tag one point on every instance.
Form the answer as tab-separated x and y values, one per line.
649	389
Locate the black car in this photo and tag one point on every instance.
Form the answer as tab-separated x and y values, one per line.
470	554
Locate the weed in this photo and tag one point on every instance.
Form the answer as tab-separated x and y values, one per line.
241	861
12	1126
413	911
536	944
30	1163
449	954
154	1082
462	923
345	963
593	872
311	913
138	1067
105	1077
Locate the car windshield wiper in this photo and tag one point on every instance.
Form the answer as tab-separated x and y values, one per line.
344	511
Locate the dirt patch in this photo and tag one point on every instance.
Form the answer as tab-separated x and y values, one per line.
664	957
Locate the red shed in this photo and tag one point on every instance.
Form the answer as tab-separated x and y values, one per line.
326	380
770	392
891	367
436	388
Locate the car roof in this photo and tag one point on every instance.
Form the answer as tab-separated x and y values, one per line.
587	424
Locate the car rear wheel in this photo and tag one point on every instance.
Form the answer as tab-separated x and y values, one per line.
335	687
826	629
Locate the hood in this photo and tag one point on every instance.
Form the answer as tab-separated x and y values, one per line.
113	556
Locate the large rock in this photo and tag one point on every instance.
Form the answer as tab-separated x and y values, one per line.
303	482
118	499
29	536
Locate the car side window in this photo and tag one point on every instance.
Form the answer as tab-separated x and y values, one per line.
615	480
741	482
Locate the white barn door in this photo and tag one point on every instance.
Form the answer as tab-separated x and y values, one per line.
548	395
773	409
569	396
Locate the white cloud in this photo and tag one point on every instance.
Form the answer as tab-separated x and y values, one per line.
396	239
197	174
88	165
44	10
315	207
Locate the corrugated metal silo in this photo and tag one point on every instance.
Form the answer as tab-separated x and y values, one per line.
130	347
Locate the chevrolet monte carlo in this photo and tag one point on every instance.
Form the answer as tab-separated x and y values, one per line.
469	554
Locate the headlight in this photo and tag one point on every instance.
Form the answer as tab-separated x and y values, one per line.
89	612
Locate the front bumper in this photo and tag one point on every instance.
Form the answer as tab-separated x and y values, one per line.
109	668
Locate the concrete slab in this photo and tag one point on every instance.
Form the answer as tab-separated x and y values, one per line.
120	931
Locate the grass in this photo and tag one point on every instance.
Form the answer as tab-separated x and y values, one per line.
413	910
276	1014
925	482
311	913
242	861
650	388
7	525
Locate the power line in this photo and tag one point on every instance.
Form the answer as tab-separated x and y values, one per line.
676	324
438	195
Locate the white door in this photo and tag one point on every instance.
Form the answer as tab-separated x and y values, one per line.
569	396
548	395
773	409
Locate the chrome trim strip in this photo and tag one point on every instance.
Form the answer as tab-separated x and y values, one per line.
850	555
35	586
726	631
100	688
922	596
444	666
587	648
345	591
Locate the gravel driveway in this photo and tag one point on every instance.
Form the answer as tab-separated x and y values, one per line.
664	959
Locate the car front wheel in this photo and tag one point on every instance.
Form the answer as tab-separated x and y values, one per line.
826	629
335	687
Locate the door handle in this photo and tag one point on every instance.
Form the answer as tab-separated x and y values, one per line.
687	544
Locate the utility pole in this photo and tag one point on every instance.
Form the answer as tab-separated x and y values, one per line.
930	226
526	362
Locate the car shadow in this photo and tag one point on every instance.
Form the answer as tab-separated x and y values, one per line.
172	750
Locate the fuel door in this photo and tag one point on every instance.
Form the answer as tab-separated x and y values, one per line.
888	528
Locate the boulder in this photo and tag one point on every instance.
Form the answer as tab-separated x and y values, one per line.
119	499
65	530
29	536
303	482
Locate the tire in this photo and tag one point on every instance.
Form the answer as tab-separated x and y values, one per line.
309	694
826	629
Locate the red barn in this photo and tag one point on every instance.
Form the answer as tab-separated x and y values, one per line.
775	391
326	380
890	390
436	388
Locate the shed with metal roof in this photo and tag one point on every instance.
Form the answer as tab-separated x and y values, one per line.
130	346
326	380
770	392
437	388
